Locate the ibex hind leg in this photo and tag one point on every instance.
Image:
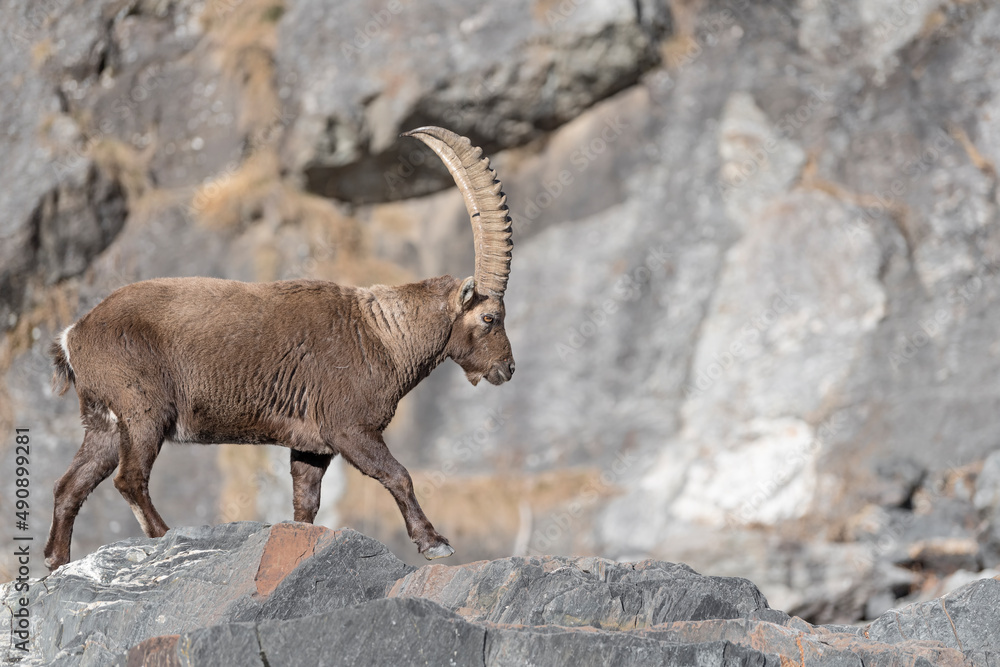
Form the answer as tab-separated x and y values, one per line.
94	462
140	444
307	480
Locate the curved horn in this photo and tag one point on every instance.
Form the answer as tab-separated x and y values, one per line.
487	205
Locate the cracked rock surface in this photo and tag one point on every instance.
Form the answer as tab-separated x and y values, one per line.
296	594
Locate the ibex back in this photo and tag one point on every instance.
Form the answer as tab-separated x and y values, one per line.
307	364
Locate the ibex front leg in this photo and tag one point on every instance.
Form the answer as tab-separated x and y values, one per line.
367	452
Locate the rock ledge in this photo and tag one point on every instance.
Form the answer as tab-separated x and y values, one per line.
295	594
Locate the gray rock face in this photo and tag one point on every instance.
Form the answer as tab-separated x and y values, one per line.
383	632
571	592
959	620
114	584
296	594
92	82
59	211
480	74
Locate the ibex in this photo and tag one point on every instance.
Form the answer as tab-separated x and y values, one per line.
307	364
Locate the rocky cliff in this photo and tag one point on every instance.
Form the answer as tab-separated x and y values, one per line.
294	594
754	292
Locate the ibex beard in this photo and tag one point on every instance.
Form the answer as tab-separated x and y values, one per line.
307	364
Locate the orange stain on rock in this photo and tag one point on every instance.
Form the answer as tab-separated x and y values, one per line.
158	651
288	545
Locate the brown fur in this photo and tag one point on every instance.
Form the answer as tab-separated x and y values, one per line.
309	365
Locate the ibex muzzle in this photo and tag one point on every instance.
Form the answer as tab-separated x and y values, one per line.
306	364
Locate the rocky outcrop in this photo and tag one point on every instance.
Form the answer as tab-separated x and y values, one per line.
296	594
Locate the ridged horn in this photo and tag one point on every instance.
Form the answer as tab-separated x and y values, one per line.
487	205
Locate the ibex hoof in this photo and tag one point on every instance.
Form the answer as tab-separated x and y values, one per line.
440	551
54	562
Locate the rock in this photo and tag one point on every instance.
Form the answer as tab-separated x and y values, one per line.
233	572
953	582
987	498
964	620
580	592
93	85
70	225
131	579
59	211
501	77
945	556
797	642
368	570
898	480
296	594
752	149
232	644
553	645
868	32
381	632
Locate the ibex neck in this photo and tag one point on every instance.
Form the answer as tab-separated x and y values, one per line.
413	322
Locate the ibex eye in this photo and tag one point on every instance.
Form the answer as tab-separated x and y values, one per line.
488	319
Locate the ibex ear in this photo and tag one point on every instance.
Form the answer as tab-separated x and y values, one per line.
465	292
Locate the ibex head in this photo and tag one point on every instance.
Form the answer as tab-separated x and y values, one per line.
478	342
